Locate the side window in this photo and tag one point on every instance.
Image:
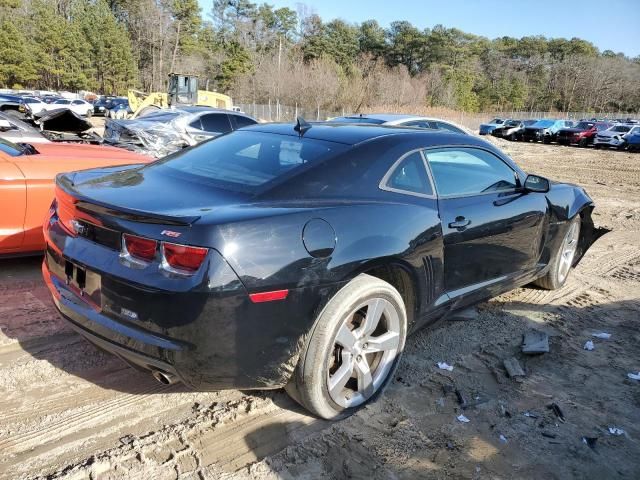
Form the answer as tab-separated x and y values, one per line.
449	127
77	102
241	121
216	122
469	171
410	176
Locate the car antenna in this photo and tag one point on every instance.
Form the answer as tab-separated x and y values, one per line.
302	126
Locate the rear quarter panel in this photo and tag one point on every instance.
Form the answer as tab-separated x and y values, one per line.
13	200
39	173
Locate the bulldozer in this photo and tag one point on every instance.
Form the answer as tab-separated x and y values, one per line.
182	91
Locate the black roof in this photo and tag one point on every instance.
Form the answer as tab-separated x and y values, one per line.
352	133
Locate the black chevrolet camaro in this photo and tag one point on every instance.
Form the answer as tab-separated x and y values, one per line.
301	257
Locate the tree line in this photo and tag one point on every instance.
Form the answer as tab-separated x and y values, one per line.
258	53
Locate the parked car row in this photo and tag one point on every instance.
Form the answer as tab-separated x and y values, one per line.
599	133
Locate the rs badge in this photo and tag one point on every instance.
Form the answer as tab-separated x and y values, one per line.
170	233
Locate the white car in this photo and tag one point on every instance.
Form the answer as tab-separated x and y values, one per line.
401	120
612	137
80	107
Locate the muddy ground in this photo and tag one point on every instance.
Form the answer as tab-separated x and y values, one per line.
68	411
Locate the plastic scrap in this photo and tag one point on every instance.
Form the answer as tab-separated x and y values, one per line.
513	367
535	341
503	439
634	376
445	366
589	345
530	415
616	431
603	335
463	419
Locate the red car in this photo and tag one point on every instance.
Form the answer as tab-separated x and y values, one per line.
582	134
27	175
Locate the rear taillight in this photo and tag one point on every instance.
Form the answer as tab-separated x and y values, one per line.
139	247
182	258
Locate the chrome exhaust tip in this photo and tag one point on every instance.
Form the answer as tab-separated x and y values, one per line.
164	378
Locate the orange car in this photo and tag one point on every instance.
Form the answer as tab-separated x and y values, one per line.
27	176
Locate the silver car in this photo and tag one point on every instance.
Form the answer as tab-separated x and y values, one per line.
402	120
169	130
612	137
17	131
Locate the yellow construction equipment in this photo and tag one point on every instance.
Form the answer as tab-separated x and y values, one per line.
182	91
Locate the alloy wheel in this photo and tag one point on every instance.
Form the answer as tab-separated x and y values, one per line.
569	248
365	348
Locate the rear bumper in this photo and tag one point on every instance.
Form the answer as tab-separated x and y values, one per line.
210	337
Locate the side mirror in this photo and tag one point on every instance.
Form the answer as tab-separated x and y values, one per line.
534	183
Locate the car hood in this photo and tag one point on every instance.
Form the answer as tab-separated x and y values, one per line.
63	120
72	150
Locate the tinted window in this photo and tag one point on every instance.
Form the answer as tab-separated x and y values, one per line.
419	124
243	121
62	102
466	171
374	121
585	125
244	159
215	122
10	148
77	102
410	176
497	121
449	127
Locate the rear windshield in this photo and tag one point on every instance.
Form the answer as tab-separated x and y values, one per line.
245	160
585	125
497	121
373	121
512	123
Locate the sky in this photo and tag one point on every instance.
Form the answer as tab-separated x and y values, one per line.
608	24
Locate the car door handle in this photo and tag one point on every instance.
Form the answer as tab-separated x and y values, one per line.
460	222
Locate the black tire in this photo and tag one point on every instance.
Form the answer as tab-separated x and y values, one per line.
583	143
554	278
309	384
597	146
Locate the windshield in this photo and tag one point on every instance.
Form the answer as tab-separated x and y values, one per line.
620	128
496	121
585	125
374	121
512	123
543	123
10	148
244	159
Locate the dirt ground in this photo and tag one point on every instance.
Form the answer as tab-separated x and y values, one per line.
68	411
